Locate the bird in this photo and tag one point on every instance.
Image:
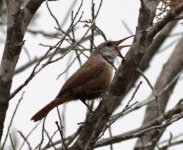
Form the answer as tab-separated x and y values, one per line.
90	80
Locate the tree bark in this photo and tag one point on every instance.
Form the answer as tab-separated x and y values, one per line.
124	75
170	70
17	21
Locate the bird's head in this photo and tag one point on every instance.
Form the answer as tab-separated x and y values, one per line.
110	49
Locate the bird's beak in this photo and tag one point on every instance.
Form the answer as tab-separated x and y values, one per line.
116	43
120	47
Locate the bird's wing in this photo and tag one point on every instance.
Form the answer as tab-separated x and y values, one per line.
87	72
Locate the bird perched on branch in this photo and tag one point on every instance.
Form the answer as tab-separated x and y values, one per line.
90	80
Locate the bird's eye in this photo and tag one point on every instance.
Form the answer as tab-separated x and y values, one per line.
109	44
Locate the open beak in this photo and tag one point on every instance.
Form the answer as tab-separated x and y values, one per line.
123	46
116	43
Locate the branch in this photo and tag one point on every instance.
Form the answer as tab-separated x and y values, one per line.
60	51
144	65
153	124
171	15
122	78
17	21
170	70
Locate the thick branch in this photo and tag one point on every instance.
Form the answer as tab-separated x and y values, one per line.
153	48
155	123
170	70
122	78
18	20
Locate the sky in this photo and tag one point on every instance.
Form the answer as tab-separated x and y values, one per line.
45	86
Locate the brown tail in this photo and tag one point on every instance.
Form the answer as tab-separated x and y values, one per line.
45	110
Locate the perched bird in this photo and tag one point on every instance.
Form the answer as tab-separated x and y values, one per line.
90	80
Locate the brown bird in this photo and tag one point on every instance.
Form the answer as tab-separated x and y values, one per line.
90	80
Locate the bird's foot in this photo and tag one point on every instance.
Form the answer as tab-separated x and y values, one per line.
89	108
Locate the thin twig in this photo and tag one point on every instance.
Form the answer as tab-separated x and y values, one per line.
110	135
12	143
11	121
93	26
67	67
61	135
33	129
68	13
150	85
172	115
133	95
60	129
42	134
48	145
25	139
50	140
127	27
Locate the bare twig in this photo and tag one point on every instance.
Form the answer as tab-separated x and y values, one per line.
150	85
33	129
49	61
110	135
48	145
68	13
134	93
42	135
12	142
157	123
50	140
61	134
11	121
146	101
127	27
25	139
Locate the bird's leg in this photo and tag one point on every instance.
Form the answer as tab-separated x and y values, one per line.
84	102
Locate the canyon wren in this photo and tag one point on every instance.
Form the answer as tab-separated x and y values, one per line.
90	80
